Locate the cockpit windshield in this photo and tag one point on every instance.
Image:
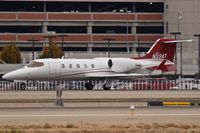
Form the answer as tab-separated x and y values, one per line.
35	64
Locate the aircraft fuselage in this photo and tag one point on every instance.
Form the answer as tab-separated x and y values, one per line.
79	69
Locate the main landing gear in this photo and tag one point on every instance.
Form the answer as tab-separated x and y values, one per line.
89	85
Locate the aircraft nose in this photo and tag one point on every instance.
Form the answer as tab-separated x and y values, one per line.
19	74
5	76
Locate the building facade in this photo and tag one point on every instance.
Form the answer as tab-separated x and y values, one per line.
183	16
87	25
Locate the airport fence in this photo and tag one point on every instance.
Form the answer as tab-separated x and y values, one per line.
141	84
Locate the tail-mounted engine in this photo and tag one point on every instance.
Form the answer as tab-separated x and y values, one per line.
110	63
123	65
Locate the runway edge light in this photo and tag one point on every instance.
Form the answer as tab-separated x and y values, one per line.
132	108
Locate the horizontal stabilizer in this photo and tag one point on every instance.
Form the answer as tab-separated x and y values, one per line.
177	41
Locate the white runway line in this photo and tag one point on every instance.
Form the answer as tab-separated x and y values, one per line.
96	115
68	115
167	115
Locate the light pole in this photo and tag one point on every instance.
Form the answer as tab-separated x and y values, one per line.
127	44
138	48
198	35
33	47
181	60
179	19
181	48
50	37
109	40
62	39
176	37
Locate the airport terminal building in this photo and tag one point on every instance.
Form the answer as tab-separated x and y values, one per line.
84	28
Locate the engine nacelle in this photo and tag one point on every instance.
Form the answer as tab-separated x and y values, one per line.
123	64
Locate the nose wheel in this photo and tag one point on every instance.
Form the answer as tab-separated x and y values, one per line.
23	86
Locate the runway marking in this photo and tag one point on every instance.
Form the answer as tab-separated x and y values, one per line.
68	115
95	115
167	114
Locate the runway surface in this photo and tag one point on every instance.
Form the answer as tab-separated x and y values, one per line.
92	98
98	94
179	115
31	111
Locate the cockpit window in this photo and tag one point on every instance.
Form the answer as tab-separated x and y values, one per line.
35	64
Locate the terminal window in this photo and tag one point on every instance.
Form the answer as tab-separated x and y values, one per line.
150	30
20	29
21	6
68	29
116	49
149	7
112	7
58	6
111	29
67	7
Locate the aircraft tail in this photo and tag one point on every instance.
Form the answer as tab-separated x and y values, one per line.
160	50
163	48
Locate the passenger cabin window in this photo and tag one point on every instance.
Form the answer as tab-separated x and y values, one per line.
92	65
35	64
63	65
77	65
85	65
70	65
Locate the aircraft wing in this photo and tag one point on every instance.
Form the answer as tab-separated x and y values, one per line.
121	75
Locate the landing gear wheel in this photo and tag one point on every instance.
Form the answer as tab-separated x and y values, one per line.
106	87
23	86
89	86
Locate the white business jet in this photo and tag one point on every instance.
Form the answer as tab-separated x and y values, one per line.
158	58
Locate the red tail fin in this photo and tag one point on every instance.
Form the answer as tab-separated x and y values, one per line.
160	50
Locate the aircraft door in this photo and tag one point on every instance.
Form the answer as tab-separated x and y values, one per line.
54	68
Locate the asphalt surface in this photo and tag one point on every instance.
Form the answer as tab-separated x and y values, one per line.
98	94
92	98
115	112
180	115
